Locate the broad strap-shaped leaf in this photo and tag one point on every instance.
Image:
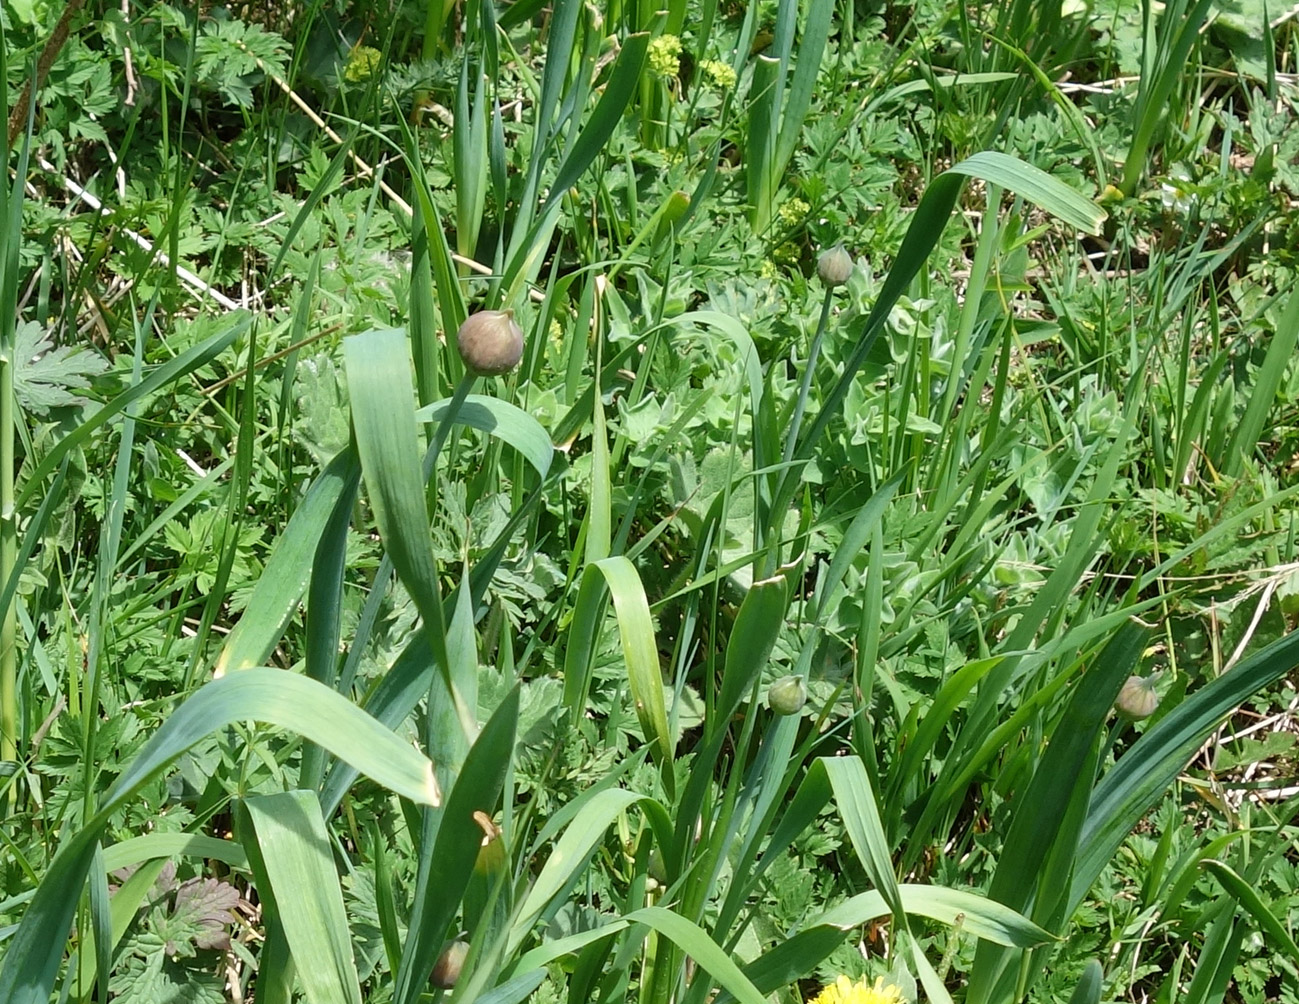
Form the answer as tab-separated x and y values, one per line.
294	866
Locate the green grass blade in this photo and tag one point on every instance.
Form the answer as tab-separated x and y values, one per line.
798	956
1247	895
696	943
280	587
445	875
855	798
565	864
1090	985
757	626
501	419
1271	373
798	100
1036	186
617	576
383	419
137	850
294	864
1042	810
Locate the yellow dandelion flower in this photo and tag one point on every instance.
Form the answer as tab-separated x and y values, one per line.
844	991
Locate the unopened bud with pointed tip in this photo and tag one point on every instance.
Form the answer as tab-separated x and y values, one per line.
787	695
834	266
1138	698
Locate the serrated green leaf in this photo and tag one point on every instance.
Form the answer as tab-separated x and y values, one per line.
45	375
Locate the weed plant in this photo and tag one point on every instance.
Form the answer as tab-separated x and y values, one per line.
915	627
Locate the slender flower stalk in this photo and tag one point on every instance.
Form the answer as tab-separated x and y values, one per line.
800	405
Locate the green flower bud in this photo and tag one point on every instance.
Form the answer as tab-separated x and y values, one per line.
834	266
1138	698
787	695
490	343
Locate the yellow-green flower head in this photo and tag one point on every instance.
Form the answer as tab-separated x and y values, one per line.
362	63
844	991
721	74
794	211
665	56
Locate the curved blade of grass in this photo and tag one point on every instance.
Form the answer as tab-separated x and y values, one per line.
598	129
695	942
515	989
263	695
798	100
1145	772
744	348
1263	394
280	587
294	863
1248	897
855	797
1043	816
566	862
555	948
932	727
291	702
617	576
581	153
1090	985
1036	186
137	850
501	419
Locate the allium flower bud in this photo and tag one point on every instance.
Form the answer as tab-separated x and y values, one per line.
1138	698
787	695
490	343
446	971
834	266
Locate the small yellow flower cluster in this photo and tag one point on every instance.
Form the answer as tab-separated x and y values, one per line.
665	55
844	991
721	74
362	63
794	211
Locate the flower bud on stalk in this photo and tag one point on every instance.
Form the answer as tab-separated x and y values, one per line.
490	343
787	695
1138	698
834	266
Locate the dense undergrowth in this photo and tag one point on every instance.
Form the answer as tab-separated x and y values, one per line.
326	666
